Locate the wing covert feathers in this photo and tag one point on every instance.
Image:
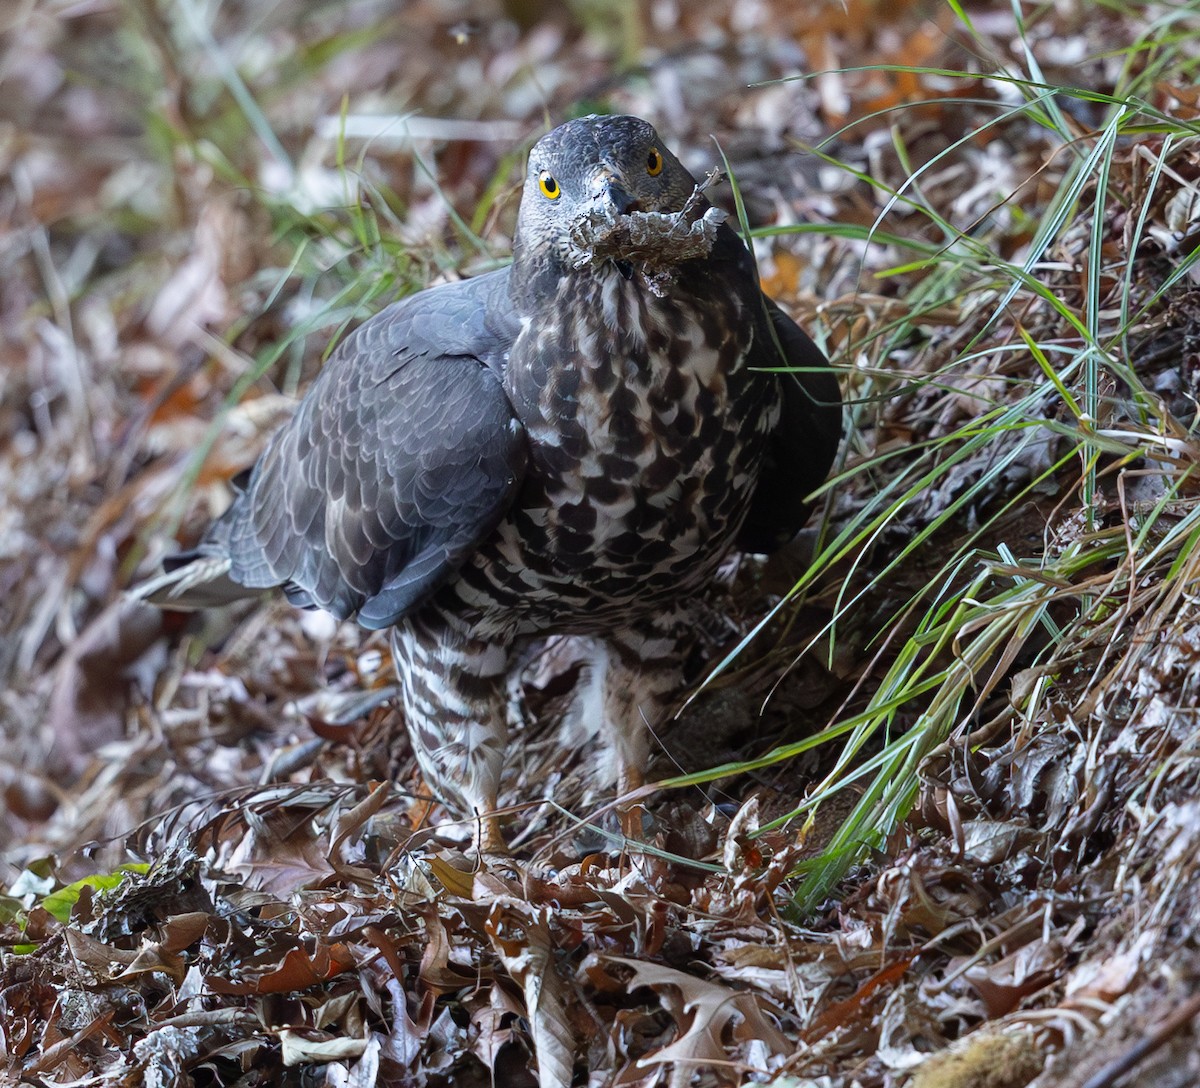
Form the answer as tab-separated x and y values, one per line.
403	456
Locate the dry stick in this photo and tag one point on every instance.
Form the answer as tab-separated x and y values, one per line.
1152	1042
54	1055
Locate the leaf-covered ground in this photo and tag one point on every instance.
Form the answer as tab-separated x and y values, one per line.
933	821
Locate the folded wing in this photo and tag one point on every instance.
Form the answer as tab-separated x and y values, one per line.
402	458
803	445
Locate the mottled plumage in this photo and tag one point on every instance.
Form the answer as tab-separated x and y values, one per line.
570	444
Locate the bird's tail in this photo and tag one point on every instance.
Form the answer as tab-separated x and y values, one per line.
199	578
193	580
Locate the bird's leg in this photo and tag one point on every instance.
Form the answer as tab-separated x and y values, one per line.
455	708
489	839
642	676
630	778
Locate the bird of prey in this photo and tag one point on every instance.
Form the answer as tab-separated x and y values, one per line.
569	444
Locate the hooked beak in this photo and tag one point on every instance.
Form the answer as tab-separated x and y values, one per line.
614	196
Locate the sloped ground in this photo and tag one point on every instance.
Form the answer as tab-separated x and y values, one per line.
1002	614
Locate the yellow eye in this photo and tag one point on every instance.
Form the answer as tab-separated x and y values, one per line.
548	185
654	162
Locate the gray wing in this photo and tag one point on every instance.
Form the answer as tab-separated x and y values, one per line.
803	445
401	459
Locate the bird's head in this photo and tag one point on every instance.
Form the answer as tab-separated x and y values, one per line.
614	165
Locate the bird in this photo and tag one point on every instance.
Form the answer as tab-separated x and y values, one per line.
570	444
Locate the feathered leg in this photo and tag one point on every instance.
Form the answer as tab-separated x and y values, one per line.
455	705
644	674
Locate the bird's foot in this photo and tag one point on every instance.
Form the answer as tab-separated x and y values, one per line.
633	822
631	811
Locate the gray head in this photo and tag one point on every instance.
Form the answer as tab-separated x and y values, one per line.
618	163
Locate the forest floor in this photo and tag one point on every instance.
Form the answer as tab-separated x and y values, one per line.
932	816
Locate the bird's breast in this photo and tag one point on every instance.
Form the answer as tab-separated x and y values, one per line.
646	431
